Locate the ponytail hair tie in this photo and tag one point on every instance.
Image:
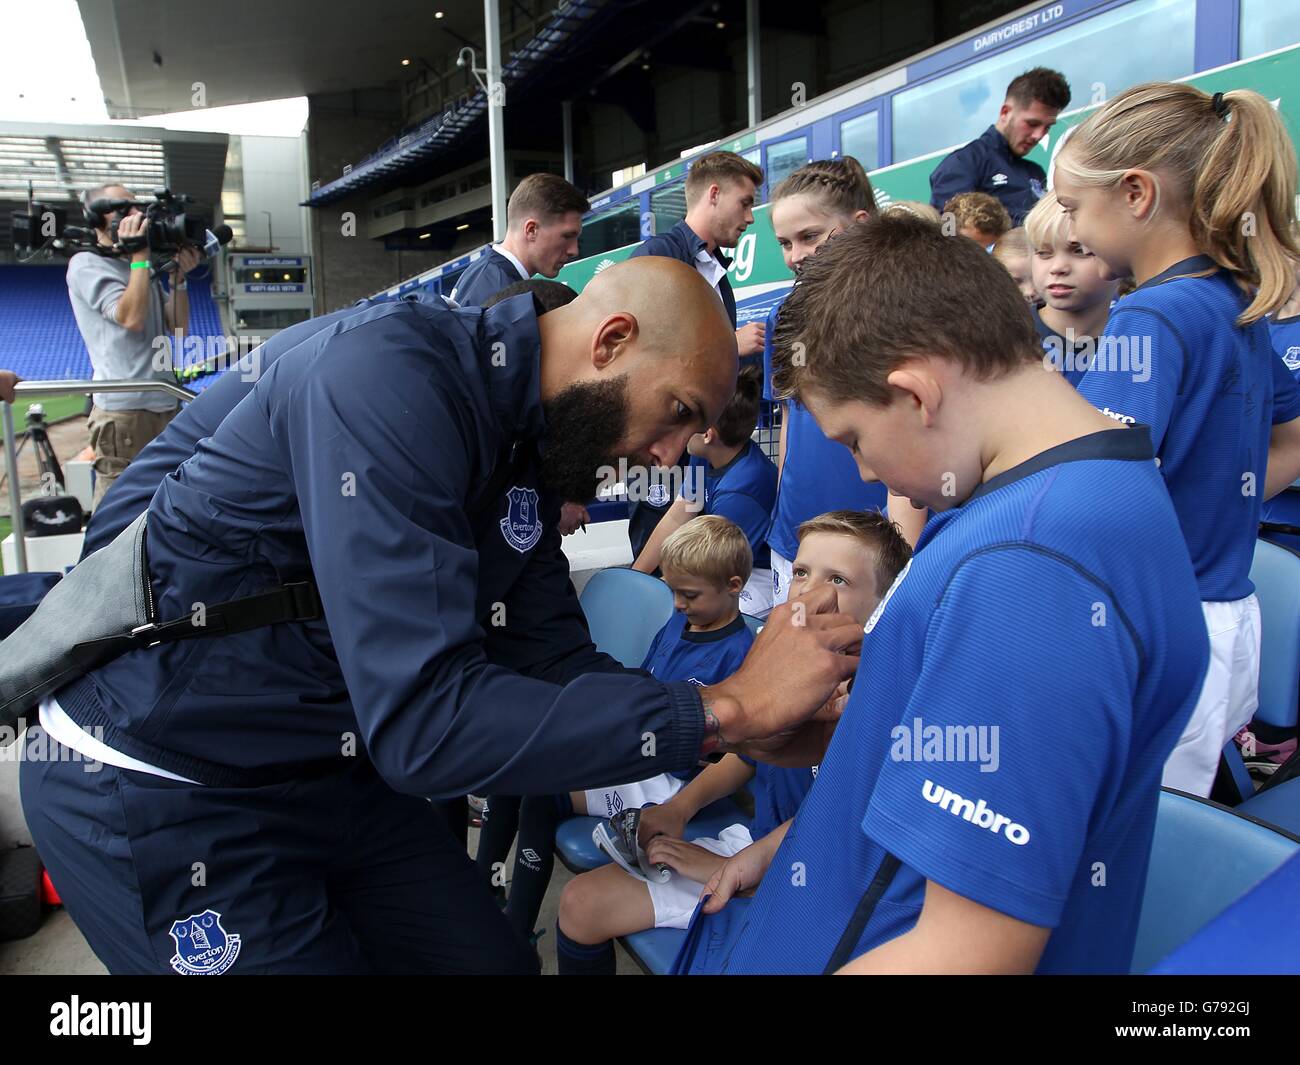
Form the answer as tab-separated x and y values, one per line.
1220	105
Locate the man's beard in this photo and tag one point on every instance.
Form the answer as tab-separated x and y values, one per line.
584	425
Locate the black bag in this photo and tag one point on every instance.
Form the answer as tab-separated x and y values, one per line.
104	608
53	516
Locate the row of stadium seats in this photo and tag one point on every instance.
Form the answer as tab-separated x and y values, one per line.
39	339
1204	857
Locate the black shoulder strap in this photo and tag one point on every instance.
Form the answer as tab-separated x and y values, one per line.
295	601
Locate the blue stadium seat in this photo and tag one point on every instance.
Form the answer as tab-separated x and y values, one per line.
655	949
1256	935
39	338
575	848
1204	857
625	609
1279	805
1275	572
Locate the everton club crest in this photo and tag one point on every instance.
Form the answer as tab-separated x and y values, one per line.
203	947
522	525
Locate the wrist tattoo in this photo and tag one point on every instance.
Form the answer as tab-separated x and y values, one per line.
715	743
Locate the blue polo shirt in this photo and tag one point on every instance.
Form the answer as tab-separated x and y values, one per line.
818	474
1172	357
742	491
1071	358
1044	611
484	278
988	164
699	658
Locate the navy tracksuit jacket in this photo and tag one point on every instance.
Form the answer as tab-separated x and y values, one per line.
453	658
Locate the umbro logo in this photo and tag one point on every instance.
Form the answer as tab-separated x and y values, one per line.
998	180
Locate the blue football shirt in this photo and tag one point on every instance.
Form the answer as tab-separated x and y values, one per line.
742	491
1039	616
1172	357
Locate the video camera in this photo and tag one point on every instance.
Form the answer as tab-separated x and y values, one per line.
169	228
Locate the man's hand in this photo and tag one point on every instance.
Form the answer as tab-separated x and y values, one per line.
133	225
7	381
661	820
186	260
572	515
692	862
802	654
749	338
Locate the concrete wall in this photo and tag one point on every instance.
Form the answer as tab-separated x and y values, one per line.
274	181
345	129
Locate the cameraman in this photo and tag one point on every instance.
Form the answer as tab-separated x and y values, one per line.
7	381
125	317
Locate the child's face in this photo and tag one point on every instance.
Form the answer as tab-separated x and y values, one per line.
1102	222
1018	266
704	603
842	561
801	227
1070	277
926	455
982	237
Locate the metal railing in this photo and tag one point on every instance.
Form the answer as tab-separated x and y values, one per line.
31	389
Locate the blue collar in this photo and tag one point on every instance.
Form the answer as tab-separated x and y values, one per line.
1197	264
696	244
1123	444
514	379
994	139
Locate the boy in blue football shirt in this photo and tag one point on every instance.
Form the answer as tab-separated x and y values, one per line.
1284	332
859	553
706	564
728	475
1077	292
1051	598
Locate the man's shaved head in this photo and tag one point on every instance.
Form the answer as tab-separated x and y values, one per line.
641	360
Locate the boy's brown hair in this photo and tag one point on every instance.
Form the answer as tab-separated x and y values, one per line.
865	303
739	417
544	197
719	168
710	547
874	531
980	210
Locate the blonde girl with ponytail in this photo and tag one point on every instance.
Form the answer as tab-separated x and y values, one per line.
1193	195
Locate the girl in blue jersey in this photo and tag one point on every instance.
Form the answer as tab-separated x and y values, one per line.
1284	331
1193	195
1075	287
815	475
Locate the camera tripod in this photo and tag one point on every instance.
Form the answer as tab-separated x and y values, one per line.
46	461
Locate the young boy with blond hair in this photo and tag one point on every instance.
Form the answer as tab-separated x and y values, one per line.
860	554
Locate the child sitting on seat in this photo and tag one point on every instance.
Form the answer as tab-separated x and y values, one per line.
860	553
729	475
706	564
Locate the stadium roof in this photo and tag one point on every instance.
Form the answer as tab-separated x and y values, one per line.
149	55
62	160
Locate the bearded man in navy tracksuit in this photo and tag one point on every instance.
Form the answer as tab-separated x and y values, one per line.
261	806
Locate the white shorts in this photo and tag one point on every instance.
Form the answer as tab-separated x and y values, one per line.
675	899
756	596
1229	696
782	570
606	802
